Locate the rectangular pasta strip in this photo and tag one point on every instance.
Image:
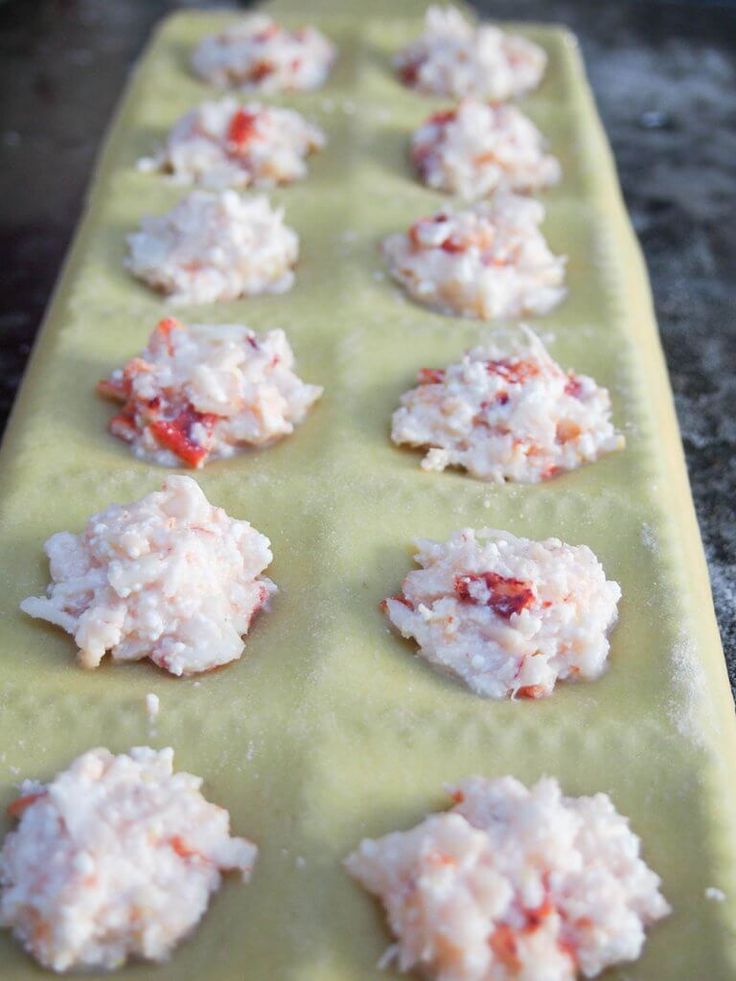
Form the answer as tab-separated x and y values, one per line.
329	729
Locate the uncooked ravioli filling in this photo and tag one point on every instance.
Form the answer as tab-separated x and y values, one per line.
215	246
256	53
513	883
115	858
168	577
202	392
226	144
500	416
480	147
508	617
453	57
489	261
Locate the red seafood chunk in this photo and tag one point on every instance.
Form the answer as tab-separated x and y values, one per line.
536	917
261	70
515	372
162	333
16	808
123	426
410	73
430	376
443	117
175	434
242	129
454	244
182	849
400	598
503	945
507	596
112	388
531	691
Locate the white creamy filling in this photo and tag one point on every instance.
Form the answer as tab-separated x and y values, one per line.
500	416
455	58
256	53
214	247
489	261
169	577
115	858
480	147
513	883
225	144
203	392
507	616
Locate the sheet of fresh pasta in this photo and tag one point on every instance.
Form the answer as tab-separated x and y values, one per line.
330	729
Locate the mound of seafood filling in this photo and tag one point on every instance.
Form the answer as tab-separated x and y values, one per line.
513	883
517	417
115	858
225	144
169	577
489	261
479	147
215	246
202	392
257	53
454	57
508	617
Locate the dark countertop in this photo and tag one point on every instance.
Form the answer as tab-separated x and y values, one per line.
665	80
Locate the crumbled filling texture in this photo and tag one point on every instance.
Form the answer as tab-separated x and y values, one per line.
226	144
488	261
507	616
457	58
256	53
169	577
516	417
513	883
202	392
117	857
215	246
479	147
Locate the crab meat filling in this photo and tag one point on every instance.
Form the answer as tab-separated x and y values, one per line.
517	417
454	57
488	261
224	144
479	147
169	577
513	883
115	858
202	392
215	246
506	616
256	53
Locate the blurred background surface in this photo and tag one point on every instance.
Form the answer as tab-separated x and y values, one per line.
664	74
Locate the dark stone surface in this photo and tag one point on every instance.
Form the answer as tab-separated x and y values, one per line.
665	81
